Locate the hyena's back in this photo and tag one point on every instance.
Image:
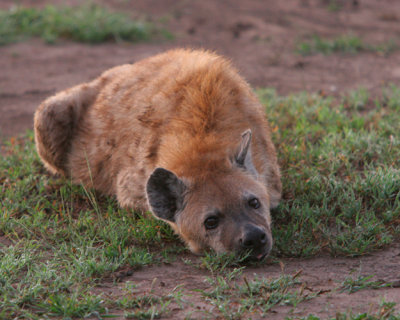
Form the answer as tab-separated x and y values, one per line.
163	111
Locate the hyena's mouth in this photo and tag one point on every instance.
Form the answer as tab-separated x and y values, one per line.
259	256
262	256
255	255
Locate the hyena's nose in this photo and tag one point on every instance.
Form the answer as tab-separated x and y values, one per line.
254	238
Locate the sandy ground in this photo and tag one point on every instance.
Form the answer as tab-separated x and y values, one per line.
260	37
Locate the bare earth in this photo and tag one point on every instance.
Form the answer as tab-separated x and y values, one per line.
260	37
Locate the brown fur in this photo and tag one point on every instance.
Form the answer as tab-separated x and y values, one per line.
184	111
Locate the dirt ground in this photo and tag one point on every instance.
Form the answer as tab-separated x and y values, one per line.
260	37
320	275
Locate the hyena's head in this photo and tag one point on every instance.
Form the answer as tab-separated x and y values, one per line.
228	212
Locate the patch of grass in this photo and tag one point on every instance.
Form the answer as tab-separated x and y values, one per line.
386	312
356	99
221	263
235	299
348	44
352	285
340	174
87	23
334	5
33	284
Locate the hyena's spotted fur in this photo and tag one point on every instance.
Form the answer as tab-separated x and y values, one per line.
180	134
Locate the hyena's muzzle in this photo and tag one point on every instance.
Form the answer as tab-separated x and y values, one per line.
256	240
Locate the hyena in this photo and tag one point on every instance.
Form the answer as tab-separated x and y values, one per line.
180	134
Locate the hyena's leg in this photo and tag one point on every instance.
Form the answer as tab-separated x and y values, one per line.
131	189
55	121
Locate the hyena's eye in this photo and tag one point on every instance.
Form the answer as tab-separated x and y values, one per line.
254	203
211	222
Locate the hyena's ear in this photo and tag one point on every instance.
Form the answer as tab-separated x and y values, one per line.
165	193
243	155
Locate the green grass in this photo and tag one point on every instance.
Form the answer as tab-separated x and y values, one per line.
347	44
352	285
386	311
339	159
340	174
87	23
334	6
234	296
